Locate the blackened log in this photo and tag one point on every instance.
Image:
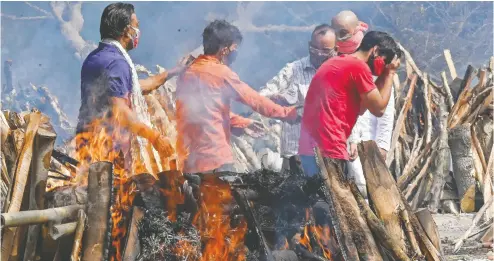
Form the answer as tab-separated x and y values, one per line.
464	172
96	238
40	164
64	158
253	224
132	246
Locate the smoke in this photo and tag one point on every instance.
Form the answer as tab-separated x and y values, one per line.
48	41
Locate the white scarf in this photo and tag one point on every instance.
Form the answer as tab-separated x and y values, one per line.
139	105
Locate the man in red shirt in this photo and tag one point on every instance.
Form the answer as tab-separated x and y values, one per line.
343	89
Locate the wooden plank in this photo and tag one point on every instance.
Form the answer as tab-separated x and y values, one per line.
451	64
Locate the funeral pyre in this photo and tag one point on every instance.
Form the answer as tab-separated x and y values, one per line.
61	205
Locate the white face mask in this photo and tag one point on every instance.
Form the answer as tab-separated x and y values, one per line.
135	37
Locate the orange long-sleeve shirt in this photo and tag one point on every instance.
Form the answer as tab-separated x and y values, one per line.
204	94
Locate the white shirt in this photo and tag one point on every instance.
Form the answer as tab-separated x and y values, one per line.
292	82
379	129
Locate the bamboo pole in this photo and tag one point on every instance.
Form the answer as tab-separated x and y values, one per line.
32	217
61	230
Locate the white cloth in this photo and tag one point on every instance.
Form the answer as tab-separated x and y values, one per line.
139	106
370	127
292	82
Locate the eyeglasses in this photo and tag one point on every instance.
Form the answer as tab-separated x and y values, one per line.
319	52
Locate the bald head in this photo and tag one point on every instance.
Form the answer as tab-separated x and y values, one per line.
323	37
346	21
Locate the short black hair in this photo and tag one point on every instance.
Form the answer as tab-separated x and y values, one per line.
386	44
219	34
321	30
114	19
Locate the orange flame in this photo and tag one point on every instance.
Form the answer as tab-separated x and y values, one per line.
320	234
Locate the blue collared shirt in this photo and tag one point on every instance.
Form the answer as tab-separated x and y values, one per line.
105	73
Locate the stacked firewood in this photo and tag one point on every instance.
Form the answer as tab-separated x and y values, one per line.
443	129
28	172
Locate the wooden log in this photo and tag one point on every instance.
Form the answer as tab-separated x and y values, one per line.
461	153
451	64
423	171
377	227
338	218
132	246
484	129
32	217
427	91
40	164
382	190
401	118
79	232
96	238
425	218
440	170
476	220
449	97
252	223
24	162
488	190
21	178
4	128
408	174
410	233
61	230
426	246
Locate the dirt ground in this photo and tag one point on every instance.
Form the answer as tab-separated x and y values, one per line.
451	228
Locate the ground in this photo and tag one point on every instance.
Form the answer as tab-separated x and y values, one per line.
451	227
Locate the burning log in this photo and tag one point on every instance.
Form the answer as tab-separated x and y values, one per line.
253	224
96	238
352	231
61	230
79	232
132	246
464	172
32	217
40	164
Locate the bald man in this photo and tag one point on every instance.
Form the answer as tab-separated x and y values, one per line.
290	86
349	31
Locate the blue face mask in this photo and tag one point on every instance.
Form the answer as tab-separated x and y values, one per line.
231	57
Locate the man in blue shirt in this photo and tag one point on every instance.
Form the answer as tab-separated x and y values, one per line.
108	77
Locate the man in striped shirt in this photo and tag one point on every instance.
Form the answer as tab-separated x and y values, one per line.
290	86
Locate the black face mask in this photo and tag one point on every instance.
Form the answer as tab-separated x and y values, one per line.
231	57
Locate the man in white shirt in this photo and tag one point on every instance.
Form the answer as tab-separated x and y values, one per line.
370	127
290	86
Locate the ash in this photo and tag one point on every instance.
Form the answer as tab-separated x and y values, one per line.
163	239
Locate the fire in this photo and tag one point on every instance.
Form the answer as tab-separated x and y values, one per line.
315	234
220	240
107	142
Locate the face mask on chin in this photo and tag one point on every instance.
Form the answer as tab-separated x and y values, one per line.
376	65
134	38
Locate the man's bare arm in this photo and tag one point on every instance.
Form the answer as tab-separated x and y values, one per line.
153	82
128	119
377	100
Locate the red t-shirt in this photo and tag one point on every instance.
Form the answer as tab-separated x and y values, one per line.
332	106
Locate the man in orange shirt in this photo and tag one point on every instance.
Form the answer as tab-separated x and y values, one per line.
205	91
